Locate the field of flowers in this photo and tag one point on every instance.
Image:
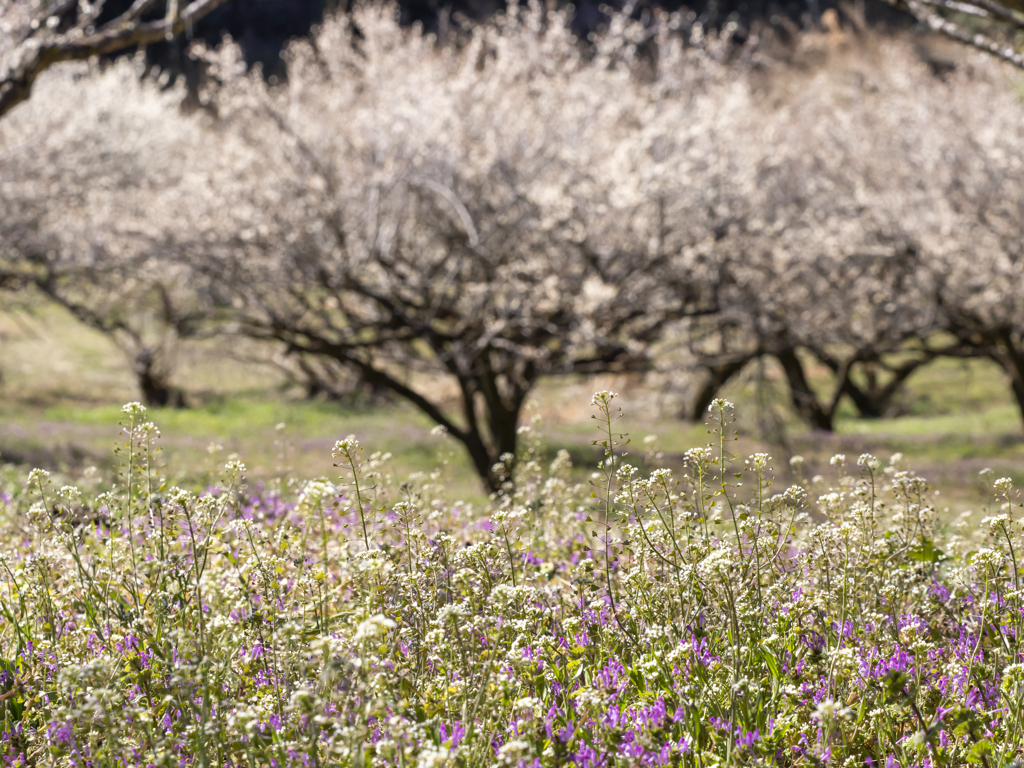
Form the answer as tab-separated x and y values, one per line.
705	619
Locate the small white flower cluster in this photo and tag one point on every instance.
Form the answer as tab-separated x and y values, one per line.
373	627
347	448
869	461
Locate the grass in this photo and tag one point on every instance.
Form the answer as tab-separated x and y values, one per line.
63	385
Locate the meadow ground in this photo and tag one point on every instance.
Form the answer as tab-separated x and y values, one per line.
63	385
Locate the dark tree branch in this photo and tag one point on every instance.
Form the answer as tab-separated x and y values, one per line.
924	13
38	52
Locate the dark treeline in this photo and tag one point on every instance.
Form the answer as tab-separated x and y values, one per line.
263	27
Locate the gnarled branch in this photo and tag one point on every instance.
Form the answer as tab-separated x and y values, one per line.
42	47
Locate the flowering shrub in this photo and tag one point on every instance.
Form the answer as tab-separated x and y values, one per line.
658	620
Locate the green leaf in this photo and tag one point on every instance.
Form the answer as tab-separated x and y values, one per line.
771	662
961	721
979	751
895	683
638	679
926	552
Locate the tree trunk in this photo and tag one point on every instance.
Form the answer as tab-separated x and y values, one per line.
157	391
502	405
867	401
717	377
1011	359
873	400
486	449
805	402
